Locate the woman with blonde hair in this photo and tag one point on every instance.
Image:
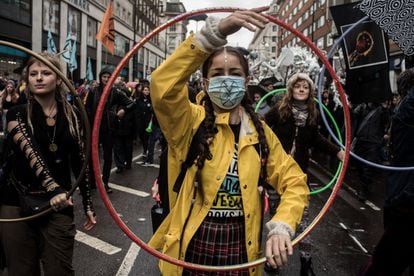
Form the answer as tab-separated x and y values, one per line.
44	145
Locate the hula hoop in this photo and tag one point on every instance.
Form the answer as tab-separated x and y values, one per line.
320	88
84	119
338	132
95	139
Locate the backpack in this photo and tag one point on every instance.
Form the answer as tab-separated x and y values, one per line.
161	209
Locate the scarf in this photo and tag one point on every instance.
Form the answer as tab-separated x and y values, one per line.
300	113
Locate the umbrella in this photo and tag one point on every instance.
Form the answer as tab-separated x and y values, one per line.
396	18
253	89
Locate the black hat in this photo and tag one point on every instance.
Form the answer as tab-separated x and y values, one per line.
253	89
266	81
108	69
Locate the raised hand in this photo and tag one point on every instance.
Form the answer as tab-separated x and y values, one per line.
249	19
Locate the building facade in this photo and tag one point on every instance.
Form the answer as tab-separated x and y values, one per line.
176	33
27	23
313	19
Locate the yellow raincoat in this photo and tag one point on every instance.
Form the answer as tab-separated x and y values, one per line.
179	120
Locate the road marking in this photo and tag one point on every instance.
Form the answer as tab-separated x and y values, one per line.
367	202
96	243
128	190
148	165
133	160
129	260
353	237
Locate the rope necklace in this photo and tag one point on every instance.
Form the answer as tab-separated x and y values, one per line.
51	120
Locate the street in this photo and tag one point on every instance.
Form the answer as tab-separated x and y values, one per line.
342	241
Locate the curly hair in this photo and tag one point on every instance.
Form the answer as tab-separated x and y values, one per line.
208	124
285	107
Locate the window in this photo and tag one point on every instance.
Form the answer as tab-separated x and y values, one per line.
329	40
74	24
17	10
320	43
171	43
274	28
173	28
81	3
92	30
51	16
121	45
321	21
118	9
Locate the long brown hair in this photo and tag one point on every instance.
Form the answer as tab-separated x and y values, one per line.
209	121
14	94
60	95
285	107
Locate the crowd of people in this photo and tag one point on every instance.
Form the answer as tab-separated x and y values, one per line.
242	158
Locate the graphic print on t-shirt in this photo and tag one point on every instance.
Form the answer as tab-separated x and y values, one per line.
228	201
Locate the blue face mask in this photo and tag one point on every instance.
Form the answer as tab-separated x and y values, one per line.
226	91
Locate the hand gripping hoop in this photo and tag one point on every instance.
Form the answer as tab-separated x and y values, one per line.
84	119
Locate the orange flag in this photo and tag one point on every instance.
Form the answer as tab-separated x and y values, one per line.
106	33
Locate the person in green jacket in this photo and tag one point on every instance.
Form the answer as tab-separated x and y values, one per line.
216	216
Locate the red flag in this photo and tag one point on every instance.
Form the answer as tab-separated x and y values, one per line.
106	33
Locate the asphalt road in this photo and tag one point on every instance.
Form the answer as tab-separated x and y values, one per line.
342	242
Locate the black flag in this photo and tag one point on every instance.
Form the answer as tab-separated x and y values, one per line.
365	51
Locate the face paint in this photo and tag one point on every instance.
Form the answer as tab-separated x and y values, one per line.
226	91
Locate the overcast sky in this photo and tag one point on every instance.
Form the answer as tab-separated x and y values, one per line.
242	37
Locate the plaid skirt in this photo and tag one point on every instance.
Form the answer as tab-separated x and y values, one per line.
218	242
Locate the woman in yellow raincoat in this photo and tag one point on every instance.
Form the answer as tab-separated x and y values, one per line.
216	217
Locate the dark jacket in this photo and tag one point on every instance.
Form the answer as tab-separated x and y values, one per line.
374	129
126	126
308	137
116	100
144	111
399	201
